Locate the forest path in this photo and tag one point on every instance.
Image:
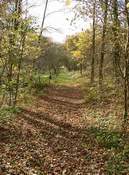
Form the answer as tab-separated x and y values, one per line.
50	138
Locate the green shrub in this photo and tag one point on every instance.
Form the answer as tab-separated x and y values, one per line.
7	112
92	94
107	139
39	85
115	165
118	163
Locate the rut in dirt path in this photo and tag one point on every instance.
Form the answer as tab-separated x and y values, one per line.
50	138
61	107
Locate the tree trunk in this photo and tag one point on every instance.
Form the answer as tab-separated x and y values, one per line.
43	20
126	93
12	51
93	44
19	67
116	49
103	45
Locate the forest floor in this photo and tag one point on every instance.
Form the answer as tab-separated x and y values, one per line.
51	137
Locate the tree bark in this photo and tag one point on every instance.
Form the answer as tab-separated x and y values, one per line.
43	20
126	92
103	45
116	49
93	44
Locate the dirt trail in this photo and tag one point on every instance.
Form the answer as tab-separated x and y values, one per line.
50	138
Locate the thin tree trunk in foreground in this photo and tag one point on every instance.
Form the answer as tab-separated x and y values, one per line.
43	20
126	93
116	49
103	45
93	44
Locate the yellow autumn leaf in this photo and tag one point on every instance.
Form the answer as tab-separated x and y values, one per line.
68	2
127	5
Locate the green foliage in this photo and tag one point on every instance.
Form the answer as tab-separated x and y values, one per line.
115	165
91	94
7	113
38	84
67	78
53	58
107	139
118	162
79	45
18	41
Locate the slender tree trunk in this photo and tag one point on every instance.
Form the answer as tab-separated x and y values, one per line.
81	69
116	49
103	45
10	85
10	69
19	68
43	20
4	64
12	51
2	73
93	44
126	93
18	10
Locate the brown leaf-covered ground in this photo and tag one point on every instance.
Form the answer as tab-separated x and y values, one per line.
50	138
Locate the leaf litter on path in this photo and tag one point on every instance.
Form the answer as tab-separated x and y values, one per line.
50	138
